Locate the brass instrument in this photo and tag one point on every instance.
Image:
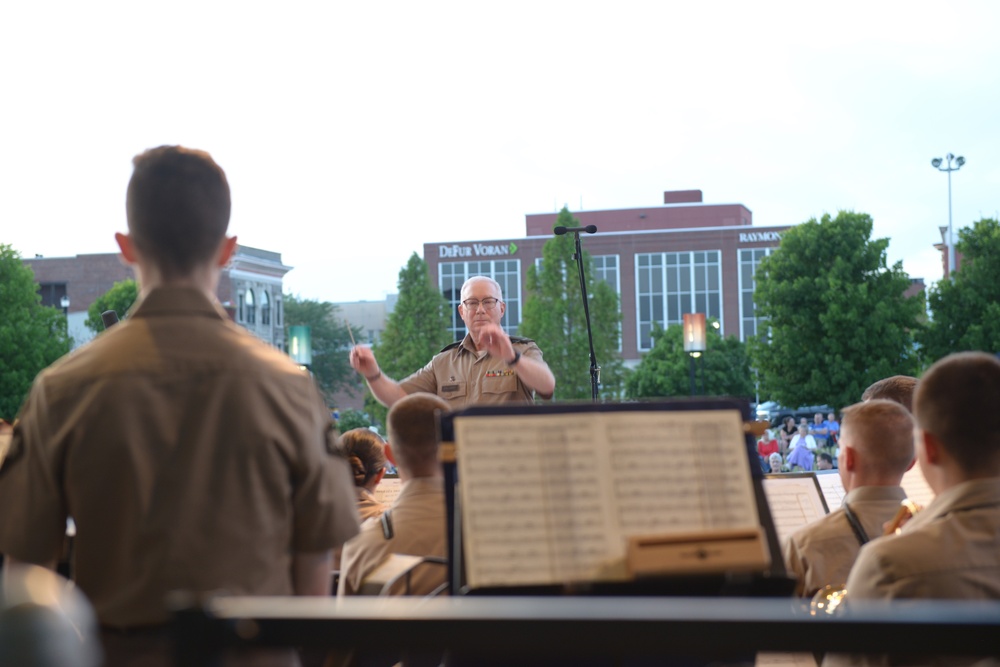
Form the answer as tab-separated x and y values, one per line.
828	600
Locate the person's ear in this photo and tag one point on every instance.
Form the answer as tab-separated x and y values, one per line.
850	460
226	251
932	448
503	307
127	247
379	475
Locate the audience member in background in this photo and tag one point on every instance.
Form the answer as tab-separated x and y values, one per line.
819	431
832	430
786	433
897	388
952	548
415	524
365	453
767	445
801	459
775	463
191	455
876	448
824	461
803	439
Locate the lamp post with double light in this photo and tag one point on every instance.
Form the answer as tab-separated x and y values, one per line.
958	162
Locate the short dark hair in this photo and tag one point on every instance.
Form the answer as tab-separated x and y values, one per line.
413	430
365	452
178	207
897	388
956	401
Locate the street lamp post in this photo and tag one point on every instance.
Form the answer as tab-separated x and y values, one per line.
959	161
64	302
694	339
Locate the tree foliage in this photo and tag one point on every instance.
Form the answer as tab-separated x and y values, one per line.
966	310
32	336
665	371
331	343
119	298
351	419
553	316
416	330
837	319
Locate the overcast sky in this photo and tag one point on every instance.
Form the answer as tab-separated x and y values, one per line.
354	132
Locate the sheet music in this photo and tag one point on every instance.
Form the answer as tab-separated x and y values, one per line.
832	487
916	486
795	502
552	498
388	489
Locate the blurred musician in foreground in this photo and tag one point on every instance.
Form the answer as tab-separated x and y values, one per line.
952	548
876	448
190	455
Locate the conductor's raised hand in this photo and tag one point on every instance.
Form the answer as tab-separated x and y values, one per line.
363	361
496	342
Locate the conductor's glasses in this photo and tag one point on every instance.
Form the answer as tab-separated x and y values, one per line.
488	304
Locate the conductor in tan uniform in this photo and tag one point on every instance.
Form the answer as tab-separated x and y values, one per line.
486	367
876	448
190	455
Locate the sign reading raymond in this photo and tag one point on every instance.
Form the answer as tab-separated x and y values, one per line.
754	237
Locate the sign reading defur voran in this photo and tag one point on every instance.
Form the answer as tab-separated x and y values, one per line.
475	250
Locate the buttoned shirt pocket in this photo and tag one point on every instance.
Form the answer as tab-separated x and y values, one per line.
502	384
450	391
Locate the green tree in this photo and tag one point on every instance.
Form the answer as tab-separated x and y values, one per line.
416	330
837	319
554	318
32	336
351	419
723	369
119	298
331	343
966	310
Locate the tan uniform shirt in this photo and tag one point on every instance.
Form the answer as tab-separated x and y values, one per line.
368	505
419	524
823	552
190	455
949	550
463	376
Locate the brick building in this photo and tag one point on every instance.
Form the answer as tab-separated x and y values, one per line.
250	289
682	257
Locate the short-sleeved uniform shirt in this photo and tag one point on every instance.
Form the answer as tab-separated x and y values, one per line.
822	553
190	455
464	376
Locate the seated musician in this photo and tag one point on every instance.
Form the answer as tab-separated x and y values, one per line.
876	448
415	524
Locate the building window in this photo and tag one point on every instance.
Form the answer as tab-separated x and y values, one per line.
52	294
606	269
277	312
749	261
265	308
250	311
507	272
240	313
670	284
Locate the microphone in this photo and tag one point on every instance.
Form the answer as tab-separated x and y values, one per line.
110	318
589	229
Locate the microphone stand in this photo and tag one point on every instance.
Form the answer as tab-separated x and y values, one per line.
595	369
